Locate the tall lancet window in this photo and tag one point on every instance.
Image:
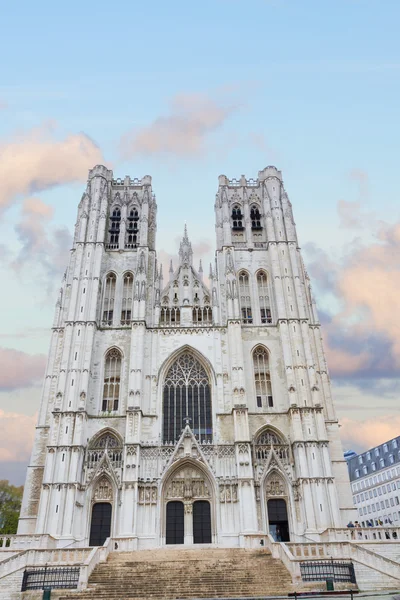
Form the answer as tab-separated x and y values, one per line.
127	295
132	229
109	299
112	379
262	378
114	227
263	298
187	394
245	298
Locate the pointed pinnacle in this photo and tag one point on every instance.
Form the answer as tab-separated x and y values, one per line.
171	269
200	267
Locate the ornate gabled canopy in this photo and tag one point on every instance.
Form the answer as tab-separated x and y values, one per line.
185	285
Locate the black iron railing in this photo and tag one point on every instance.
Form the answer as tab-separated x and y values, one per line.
50	577
320	570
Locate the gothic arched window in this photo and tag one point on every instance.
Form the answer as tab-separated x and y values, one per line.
127	295
108	299
114	227
187	394
132	229
107	442
255	217
237	218
245	299
265	309
262	378
112	379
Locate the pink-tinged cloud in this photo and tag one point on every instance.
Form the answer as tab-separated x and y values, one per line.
183	132
16	436
342	363
19	369
371	432
36	160
369	285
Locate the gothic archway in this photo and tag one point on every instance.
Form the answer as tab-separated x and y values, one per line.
276	503
101	512
187	393
188	503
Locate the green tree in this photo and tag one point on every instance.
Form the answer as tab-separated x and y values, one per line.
10	505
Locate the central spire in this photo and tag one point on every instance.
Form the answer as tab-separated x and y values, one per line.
185	250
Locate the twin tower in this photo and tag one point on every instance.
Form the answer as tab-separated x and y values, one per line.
185	409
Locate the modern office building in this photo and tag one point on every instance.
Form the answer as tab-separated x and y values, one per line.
375	483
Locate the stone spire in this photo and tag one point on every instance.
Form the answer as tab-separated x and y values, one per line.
185	250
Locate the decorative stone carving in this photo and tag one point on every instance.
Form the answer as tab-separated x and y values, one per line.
188	483
228	492
275	487
103	490
147	494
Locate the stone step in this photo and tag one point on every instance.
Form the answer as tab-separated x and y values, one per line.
172	573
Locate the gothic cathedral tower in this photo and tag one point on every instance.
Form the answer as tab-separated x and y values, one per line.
186	410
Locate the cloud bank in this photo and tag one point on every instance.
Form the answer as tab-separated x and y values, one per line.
183	132
17	432
36	160
19	369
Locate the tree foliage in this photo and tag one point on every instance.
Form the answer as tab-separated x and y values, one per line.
10	506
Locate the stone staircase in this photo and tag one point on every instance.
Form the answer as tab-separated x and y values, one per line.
168	574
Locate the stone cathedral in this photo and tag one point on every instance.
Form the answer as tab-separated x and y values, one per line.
179	408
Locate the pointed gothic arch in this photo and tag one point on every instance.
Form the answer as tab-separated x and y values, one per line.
189	482
109	292
262	377
102	509
186	392
276	504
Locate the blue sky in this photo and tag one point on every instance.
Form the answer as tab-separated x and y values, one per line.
312	87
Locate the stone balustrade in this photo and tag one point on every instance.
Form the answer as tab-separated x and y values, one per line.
372	534
41	557
25	542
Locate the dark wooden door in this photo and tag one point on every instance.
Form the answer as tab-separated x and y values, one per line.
175	529
100	527
201	522
278	520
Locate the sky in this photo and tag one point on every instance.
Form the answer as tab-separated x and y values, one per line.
186	91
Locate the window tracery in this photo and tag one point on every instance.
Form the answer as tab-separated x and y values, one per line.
109	299
127	296
132	229
170	317
112	379
255	217
265	309
237	218
202	315
187	394
262	378
114	229
105	443
245	299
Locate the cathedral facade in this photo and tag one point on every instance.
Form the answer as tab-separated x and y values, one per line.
179	408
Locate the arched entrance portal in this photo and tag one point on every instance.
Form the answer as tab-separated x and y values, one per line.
278	520
100	527
188	507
